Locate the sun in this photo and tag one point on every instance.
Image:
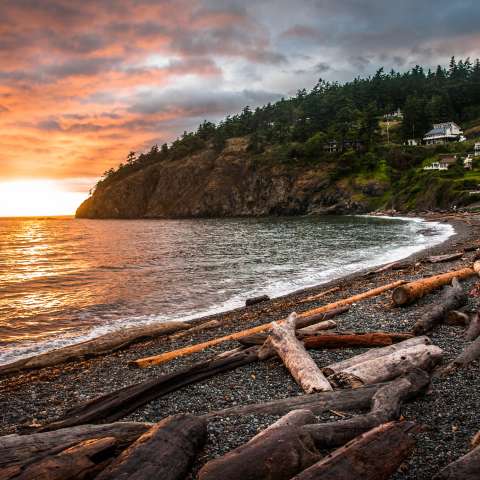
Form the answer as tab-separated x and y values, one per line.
31	198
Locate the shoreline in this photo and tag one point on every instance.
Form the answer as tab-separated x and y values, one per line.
41	396
212	312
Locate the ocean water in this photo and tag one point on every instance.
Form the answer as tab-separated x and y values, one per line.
64	280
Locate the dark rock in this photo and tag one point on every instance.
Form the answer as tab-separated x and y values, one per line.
254	300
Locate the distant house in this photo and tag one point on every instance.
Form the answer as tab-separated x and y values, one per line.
443	133
444	163
476	150
333	146
468	162
412	142
397	115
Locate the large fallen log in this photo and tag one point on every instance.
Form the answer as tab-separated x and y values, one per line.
449	257
412	291
294	356
354	340
286	444
165	357
79	462
386	404
374	353
388	367
166	451
22	450
115	405
344	400
465	468
453	297
374	455
473	329
91	348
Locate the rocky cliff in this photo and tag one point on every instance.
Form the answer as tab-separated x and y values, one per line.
232	183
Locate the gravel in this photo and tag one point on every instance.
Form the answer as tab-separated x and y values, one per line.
449	411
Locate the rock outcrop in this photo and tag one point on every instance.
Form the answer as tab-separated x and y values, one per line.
232	183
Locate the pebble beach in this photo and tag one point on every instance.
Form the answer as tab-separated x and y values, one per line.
448	412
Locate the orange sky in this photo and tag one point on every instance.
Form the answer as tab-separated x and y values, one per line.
83	83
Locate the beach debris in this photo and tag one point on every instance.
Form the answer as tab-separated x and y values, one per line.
388	367
197	328
18	451
354	340
452	298
165	357
465	468
473	329
254	300
117	404
449	257
320	295
388	267
285	440
102	345
456	317
469	354
295	357
374	455
165	451
84	460
409	292
475	291
374	353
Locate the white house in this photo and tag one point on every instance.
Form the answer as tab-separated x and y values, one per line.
476	150
412	142
443	133
468	162
397	115
444	163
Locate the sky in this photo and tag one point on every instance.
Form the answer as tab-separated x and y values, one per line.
84	82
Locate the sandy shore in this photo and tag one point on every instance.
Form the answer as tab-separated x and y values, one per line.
449	410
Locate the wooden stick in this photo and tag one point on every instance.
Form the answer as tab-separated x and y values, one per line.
473	330
165	357
414	290
294	356
445	258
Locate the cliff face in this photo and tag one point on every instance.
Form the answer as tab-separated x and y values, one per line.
231	183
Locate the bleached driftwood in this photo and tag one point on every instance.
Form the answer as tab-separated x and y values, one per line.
374	353
388	367
293	354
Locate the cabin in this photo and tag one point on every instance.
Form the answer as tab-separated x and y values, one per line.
397	115
444	163
476	150
412	142
444	133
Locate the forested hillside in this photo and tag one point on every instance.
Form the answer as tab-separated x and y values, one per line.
292	134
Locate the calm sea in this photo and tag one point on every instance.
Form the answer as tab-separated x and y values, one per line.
64	280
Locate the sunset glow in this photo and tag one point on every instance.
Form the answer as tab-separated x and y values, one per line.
37	198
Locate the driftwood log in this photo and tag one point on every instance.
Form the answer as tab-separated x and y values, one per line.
388	367
97	346
374	455
445	258
19	451
452	297
166	451
469	354
115	405
165	357
354	340
374	354
473	329
294	356
293	443
79	462
456	317
465	468
412	291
